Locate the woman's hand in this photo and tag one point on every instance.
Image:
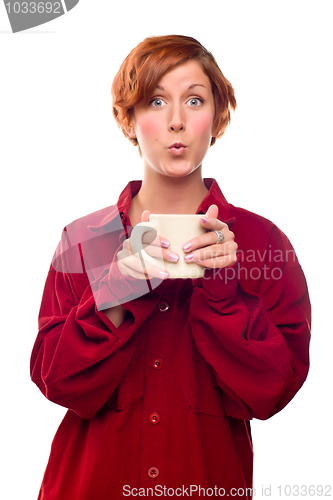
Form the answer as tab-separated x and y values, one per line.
130	265
205	251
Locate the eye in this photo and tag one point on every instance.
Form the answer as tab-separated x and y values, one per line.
195	102
157	102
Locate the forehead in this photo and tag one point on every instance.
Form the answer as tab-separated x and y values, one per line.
185	75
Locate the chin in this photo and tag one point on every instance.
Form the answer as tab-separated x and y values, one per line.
179	170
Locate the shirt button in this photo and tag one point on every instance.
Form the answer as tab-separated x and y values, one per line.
158	363
153	472
163	306
154	418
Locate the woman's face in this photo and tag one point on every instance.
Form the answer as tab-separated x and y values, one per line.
174	131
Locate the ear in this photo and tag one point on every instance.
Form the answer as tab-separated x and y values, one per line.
131	132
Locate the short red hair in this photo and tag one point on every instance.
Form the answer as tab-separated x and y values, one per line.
147	63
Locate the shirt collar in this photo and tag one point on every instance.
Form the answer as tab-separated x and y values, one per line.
214	196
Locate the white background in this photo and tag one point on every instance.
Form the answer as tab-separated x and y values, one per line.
62	157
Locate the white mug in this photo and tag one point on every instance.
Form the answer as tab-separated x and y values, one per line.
178	229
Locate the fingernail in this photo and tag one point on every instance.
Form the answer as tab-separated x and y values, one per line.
163	274
189	257
173	257
187	246
204	220
165	243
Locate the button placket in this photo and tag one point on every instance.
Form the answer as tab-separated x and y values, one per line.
154	438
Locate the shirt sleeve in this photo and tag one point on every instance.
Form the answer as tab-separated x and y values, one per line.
256	343
79	356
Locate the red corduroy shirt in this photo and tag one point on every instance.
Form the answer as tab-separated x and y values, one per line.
161	405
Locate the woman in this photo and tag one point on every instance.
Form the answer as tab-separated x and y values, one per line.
161	376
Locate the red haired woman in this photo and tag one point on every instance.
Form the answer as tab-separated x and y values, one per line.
162	376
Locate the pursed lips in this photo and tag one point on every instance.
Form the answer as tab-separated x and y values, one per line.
177	148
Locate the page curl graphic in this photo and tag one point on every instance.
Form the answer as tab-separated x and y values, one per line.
91	250
23	15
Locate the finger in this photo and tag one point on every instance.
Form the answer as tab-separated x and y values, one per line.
212	223
147	237
213	251
145	216
155	249
158	248
209	238
128	270
126	250
212	212
132	266
158	241
160	253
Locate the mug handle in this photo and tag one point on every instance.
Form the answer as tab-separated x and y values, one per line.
136	242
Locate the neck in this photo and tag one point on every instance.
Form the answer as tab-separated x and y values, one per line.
171	195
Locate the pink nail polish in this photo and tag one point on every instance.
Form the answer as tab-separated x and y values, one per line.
173	257
163	274
187	246
165	244
189	257
204	220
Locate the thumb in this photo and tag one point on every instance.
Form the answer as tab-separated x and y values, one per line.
212	211
145	216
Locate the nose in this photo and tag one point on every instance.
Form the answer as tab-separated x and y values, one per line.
176	120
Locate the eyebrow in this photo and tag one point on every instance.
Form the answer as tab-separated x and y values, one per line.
190	87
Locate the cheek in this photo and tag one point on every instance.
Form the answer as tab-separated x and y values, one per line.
203	125
148	127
